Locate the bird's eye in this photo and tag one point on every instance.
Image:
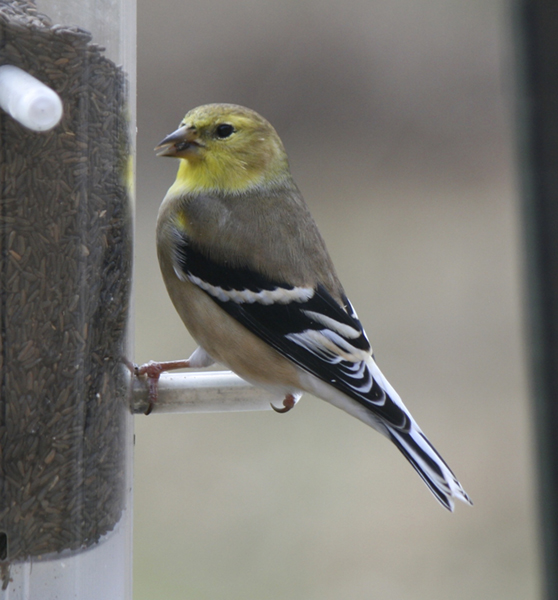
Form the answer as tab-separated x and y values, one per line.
224	130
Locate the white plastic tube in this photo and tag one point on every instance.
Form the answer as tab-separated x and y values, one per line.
201	392
27	100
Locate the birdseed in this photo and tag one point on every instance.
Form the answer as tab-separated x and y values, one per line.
65	276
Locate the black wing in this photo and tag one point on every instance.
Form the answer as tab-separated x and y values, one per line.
306	325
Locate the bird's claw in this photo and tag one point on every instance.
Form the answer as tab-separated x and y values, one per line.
288	404
153	371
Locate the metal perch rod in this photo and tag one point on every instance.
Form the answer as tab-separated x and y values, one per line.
201	392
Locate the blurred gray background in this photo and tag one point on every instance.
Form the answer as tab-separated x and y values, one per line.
397	116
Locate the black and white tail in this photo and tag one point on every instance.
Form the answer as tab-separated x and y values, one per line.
384	411
429	465
416	448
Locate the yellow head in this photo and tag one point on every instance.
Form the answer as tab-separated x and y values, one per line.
225	148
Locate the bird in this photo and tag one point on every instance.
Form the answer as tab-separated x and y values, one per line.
250	276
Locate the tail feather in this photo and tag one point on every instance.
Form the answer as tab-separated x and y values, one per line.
428	463
416	448
389	416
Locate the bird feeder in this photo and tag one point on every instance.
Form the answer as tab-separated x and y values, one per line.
67	76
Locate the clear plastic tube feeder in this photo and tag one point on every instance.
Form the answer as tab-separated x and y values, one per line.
66	211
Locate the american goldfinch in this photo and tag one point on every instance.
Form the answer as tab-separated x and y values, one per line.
250	276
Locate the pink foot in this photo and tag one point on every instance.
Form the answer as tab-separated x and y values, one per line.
153	371
288	403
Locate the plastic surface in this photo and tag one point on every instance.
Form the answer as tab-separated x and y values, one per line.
199	392
27	100
95	574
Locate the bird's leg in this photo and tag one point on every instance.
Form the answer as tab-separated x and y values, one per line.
153	369
288	403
